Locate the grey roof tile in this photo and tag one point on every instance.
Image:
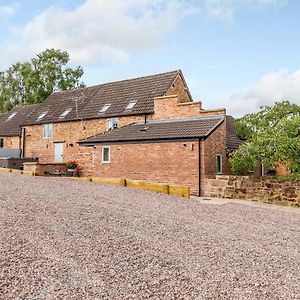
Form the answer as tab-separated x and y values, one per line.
159	130
11	127
87	102
233	142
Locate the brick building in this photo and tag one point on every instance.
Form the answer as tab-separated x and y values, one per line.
10	126
162	101
182	151
52	132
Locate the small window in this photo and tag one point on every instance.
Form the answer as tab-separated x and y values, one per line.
105	154
219	164
1	142
48	130
41	116
112	123
64	114
131	105
11	116
104	108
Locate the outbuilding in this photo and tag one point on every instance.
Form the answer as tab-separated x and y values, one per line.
182	151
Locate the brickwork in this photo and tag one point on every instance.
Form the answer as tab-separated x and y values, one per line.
169	163
263	189
69	133
168	107
213	145
178	88
11	142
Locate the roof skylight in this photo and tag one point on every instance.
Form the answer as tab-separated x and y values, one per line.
64	114
104	108
42	115
11	116
131	105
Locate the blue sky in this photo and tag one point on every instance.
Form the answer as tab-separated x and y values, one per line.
237	54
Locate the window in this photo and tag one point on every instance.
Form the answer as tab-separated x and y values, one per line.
131	105
41	116
105	154
112	123
48	129
63	115
219	164
11	116
1	142
104	108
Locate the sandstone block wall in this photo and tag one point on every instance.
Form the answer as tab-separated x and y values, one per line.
265	189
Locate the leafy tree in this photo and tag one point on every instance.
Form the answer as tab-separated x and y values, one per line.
272	137
32	82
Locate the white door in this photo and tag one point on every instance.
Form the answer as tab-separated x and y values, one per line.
59	152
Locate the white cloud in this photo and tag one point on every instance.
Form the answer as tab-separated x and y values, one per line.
8	11
101	30
277	86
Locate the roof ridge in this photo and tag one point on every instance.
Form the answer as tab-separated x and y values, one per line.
181	120
118	81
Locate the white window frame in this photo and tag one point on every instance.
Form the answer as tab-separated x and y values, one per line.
221	164
104	108
105	161
65	113
131	105
112	123
42	115
11	116
47	131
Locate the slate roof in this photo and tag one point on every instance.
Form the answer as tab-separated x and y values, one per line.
159	130
233	142
11	127
87	102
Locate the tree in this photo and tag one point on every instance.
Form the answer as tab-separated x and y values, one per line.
32	82
271	137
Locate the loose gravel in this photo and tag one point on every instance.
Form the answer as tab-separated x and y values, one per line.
65	239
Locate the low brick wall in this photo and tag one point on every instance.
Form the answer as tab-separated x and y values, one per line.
41	168
260	189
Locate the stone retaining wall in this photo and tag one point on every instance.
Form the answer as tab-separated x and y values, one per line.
41	168
265	189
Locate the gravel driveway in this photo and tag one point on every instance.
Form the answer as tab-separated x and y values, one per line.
65	239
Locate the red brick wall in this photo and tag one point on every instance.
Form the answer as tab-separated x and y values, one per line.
11	142
178	88
172	163
169	108
213	145
69	133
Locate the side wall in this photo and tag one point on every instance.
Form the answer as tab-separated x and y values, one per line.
69	133
11	142
169	107
178	88
171	163
213	145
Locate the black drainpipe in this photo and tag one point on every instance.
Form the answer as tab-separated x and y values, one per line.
199	148
23	141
